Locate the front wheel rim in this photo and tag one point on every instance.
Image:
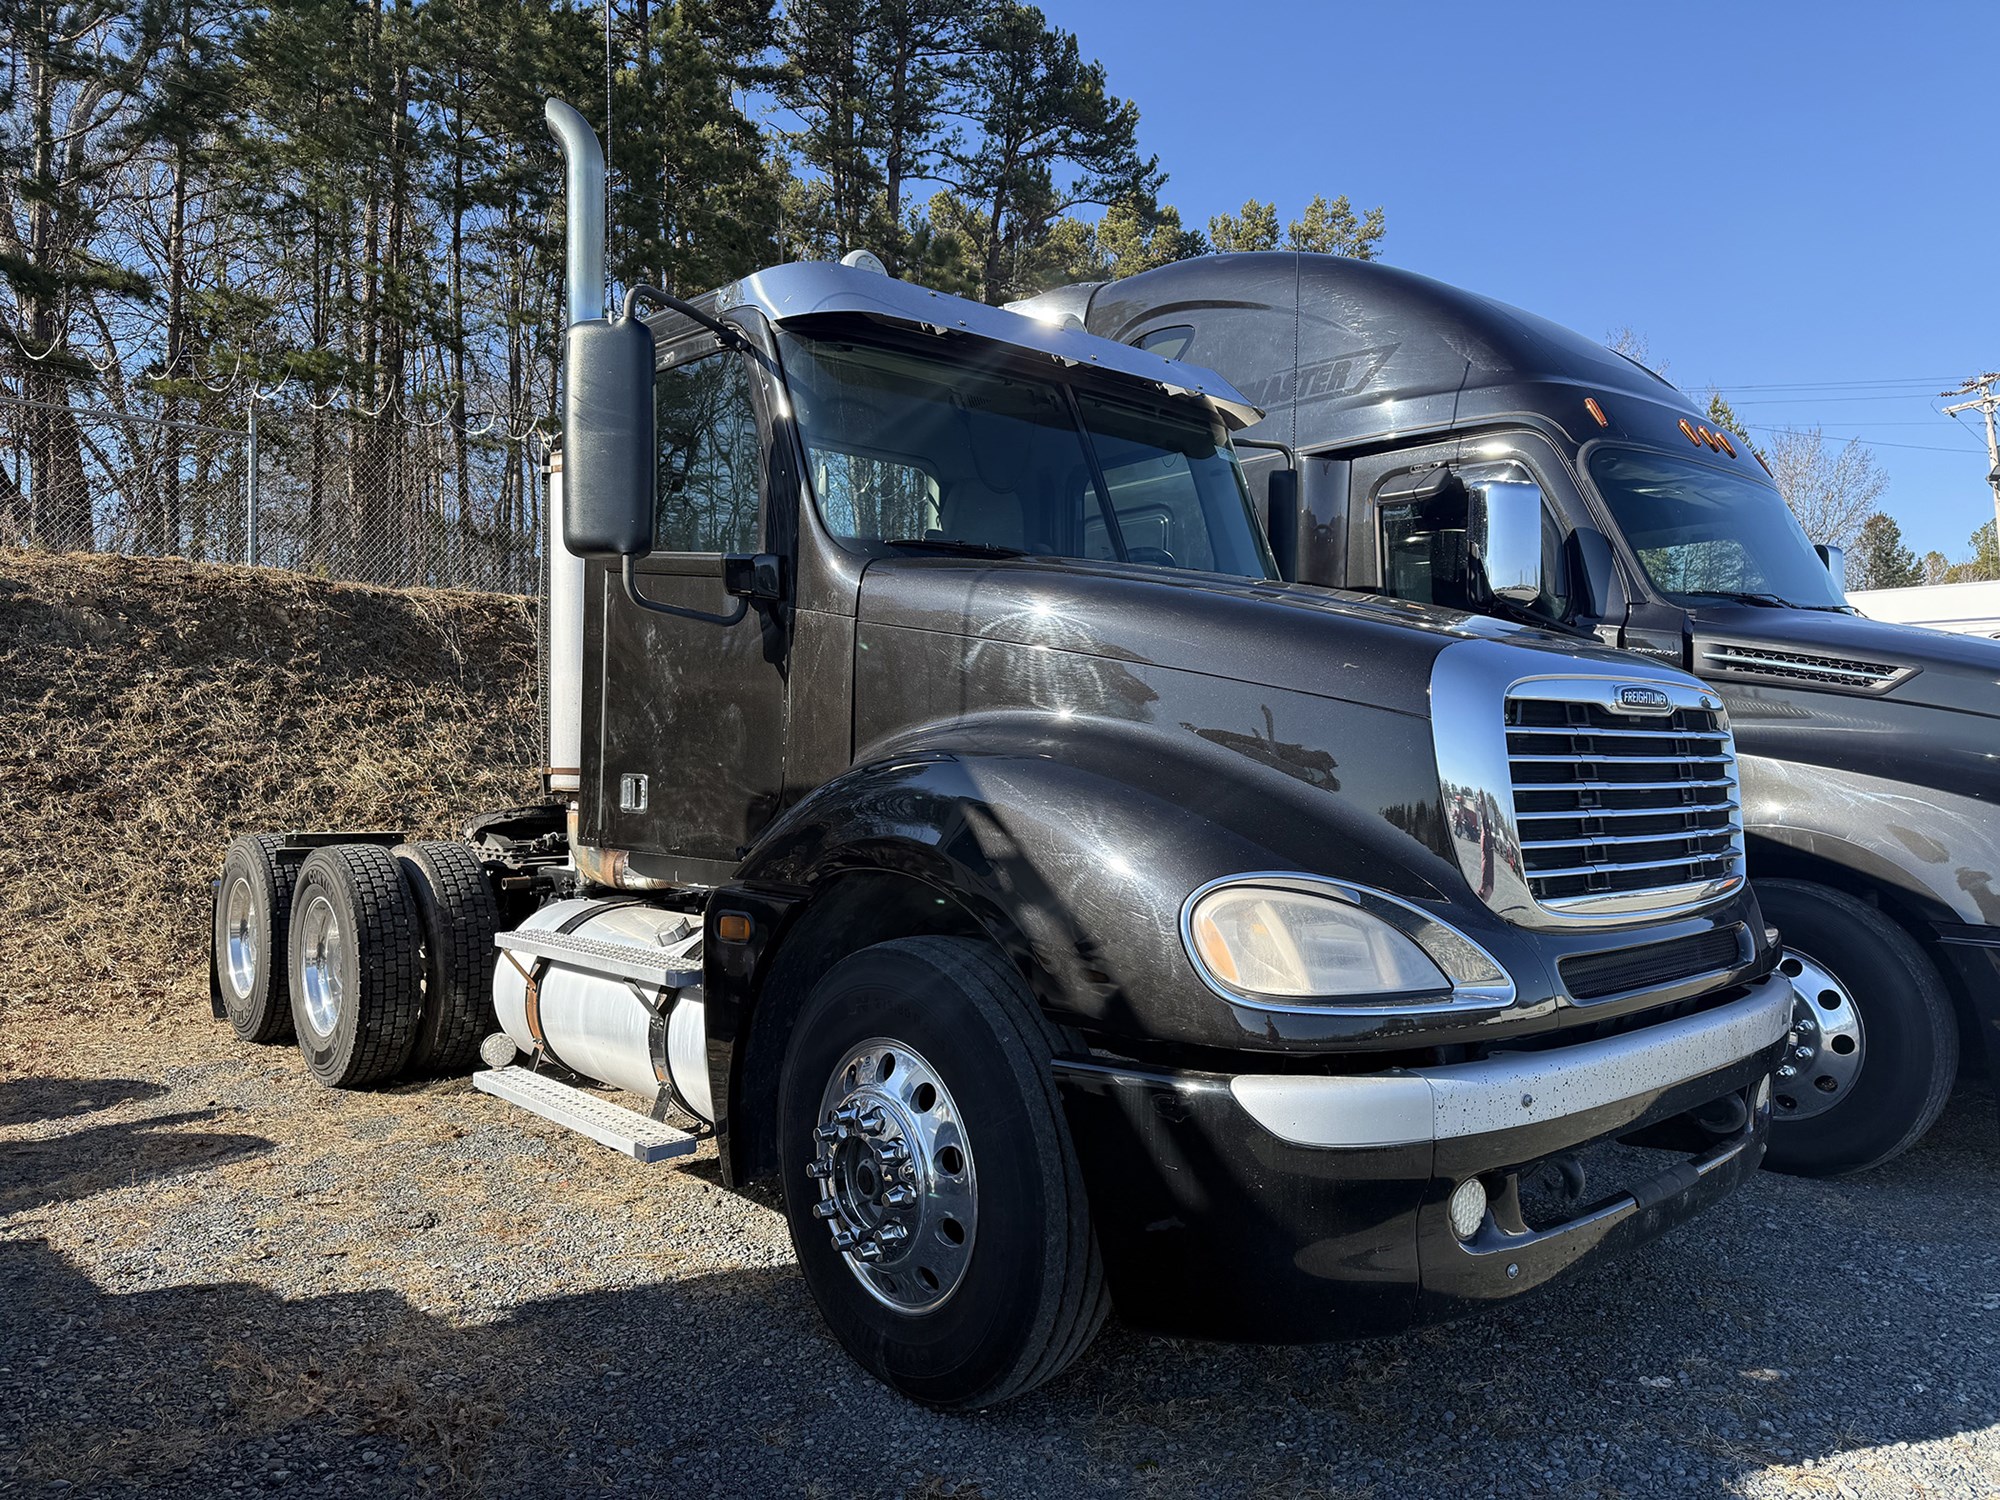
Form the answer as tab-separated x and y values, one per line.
894	1171
320	961
239	930
1827	1044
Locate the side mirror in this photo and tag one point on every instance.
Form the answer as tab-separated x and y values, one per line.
608	447
1835	559
1504	534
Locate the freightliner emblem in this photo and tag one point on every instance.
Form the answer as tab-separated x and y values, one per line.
1644	700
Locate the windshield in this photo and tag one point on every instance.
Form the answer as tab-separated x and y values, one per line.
915	450
1704	533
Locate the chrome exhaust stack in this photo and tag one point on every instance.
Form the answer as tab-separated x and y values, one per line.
583	299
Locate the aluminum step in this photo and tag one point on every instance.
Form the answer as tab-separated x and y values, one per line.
662	966
639	1137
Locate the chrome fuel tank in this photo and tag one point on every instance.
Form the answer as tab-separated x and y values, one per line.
603	1026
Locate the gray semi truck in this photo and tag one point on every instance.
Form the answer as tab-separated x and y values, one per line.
952	816
1411	425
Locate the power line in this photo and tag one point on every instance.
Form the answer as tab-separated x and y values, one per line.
1823	385
1817	400
1871	442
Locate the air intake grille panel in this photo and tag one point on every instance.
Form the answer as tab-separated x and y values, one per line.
1615	808
1651	966
1802	666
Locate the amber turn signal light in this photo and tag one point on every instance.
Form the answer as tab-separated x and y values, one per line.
733	927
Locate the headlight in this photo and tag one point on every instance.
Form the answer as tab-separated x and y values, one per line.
1289	944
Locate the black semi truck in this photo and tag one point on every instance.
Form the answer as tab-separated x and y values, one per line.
953	816
1413	426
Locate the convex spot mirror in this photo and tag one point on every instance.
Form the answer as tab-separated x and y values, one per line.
608	447
1835	559
1504	535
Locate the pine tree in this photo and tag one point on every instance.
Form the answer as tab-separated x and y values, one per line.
1254	228
1721	414
1879	559
1050	137
1333	228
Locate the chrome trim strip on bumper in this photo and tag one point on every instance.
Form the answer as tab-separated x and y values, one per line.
1503	1092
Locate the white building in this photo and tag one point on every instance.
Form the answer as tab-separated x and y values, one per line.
1967	608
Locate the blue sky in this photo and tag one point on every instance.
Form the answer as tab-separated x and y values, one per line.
1777	196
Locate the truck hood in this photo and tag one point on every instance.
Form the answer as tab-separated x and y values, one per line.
1831	696
1294	637
1813	649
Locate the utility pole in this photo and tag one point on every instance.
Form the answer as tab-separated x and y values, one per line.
1985	401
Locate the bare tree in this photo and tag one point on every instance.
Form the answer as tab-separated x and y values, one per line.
1831	490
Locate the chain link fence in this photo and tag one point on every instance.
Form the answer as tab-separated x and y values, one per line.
275	483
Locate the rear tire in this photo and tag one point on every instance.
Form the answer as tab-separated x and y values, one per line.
458	916
252	919
355	969
995	1284
1859	963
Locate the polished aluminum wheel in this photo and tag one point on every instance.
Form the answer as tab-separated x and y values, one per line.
239	927
1827	1044
895	1176
321	952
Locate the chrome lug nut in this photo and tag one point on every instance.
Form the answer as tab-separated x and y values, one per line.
843	1239
899	1197
819	1169
868	1250
891	1153
829	1133
1788	1071
871	1121
1802	1052
892	1234
826	1208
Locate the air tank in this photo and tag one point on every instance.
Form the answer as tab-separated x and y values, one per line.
602	1026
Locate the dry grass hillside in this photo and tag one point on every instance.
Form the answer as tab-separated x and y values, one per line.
150	709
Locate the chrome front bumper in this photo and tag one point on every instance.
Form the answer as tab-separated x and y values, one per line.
1510	1090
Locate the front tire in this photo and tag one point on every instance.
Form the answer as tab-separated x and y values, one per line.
356	970
1877	1045
934	1196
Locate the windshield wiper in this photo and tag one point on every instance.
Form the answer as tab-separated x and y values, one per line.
953	544
1768	601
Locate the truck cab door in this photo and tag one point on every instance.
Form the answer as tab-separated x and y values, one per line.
688	736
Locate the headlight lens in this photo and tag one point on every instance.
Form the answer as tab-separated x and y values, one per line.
1264	940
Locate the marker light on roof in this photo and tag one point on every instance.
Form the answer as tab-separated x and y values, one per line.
1727	446
1597	412
1687	430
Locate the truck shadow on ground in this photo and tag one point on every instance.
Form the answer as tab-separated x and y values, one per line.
1686	1365
78	1163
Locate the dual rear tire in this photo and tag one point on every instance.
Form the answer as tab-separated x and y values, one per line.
377	961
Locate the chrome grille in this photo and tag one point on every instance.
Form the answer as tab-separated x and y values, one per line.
1803	666
1619	810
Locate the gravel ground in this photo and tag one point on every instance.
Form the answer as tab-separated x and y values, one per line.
217	1278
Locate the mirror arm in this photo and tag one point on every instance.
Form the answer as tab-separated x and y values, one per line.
732	338
632	593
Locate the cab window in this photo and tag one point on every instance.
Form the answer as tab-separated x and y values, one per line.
709	469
